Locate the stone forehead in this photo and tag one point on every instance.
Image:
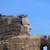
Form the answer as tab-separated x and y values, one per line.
10	18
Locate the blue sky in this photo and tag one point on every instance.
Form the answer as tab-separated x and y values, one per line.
38	12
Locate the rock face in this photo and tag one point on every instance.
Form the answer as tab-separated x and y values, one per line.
15	34
11	25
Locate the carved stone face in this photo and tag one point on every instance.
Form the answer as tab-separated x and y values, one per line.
26	23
